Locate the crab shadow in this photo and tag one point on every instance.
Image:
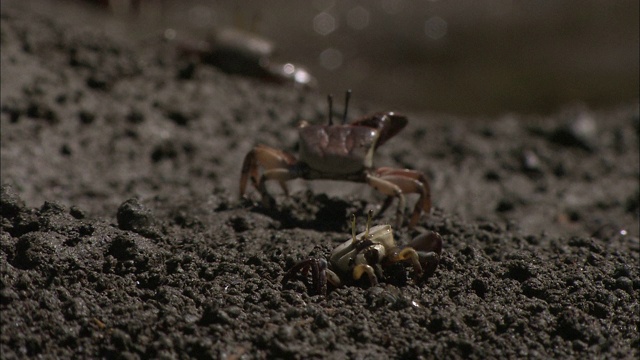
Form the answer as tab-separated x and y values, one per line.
307	210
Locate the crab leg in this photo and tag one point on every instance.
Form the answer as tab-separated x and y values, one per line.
360	269
428	246
389	188
333	278
282	175
319	268
318	274
276	165
385	205
408	181
302	266
411	255
413	174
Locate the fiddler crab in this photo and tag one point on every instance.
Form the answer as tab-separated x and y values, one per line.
370	252
341	152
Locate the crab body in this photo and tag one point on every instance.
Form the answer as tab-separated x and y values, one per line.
337	150
340	152
365	249
369	253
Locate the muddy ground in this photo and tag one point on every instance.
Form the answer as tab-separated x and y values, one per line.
123	235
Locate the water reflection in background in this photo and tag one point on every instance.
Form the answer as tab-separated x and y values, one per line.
482	57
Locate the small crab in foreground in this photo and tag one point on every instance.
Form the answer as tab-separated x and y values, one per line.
369	253
341	152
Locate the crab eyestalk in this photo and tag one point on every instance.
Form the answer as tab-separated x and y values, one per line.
346	106
369	217
353	227
330	101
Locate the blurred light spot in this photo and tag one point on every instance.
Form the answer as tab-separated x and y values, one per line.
435	28
302	76
324	23
623	232
331	58
200	16
288	68
358	18
392	7
170	34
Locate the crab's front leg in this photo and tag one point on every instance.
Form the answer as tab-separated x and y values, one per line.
361	269
423	253
428	246
320	274
397	182
277	165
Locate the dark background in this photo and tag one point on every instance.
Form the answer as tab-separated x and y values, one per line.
486	57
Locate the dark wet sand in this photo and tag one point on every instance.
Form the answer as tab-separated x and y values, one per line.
123	236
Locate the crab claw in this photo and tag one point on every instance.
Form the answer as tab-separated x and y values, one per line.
429	248
388	124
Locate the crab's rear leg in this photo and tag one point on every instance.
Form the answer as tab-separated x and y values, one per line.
276	164
408	181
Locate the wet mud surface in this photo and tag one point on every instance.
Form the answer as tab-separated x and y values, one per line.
122	234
